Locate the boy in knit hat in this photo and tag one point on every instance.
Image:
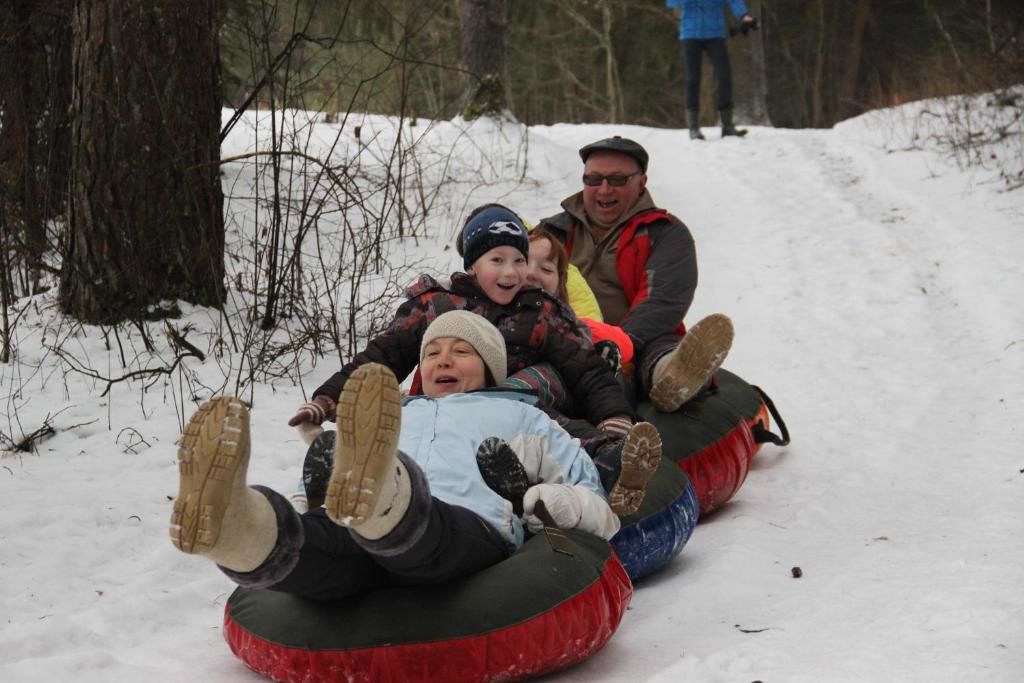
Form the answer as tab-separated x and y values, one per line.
543	339
406	503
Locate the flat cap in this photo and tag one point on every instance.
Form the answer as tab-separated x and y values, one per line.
617	144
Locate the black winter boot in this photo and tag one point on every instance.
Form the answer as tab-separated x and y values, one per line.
505	475
727	127
502	471
693	117
317	467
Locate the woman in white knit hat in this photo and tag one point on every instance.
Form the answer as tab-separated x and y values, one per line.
548	351
406	503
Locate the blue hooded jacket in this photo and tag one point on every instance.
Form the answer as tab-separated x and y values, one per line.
443	434
704	19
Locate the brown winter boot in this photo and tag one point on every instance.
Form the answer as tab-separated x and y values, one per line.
641	453
679	375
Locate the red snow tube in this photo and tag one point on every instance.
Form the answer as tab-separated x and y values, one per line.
714	437
540	610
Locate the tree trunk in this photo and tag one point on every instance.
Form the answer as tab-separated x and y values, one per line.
750	74
818	77
611	67
35	93
483	57
848	105
145	218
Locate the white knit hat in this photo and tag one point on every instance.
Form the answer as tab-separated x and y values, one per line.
475	330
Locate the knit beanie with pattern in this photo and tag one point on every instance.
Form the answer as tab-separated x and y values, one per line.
494	226
475	330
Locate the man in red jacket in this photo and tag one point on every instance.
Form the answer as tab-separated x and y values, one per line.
641	263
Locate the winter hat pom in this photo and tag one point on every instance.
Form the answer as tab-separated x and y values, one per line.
475	330
493	226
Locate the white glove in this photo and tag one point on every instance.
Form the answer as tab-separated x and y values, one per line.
308	431
570	507
560	502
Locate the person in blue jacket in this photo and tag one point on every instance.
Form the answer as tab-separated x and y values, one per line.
407	503
702	30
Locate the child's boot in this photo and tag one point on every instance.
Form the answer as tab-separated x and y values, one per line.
641	453
503	472
680	374
376	491
316	469
251	531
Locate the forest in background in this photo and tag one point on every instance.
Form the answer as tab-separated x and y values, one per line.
813	62
114	116
111	119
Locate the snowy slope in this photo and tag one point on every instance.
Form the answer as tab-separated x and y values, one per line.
876	299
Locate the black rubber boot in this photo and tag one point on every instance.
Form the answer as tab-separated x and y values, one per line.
693	118
316	468
727	126
502	472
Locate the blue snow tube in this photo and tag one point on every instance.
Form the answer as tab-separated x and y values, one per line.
657	532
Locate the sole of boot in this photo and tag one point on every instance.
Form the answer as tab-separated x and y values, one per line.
641	454
700	353
317	468
214	445
368	417
502	471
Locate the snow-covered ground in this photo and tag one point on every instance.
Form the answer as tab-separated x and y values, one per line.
876	297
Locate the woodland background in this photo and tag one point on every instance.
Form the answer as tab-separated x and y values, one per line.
112	114
619	61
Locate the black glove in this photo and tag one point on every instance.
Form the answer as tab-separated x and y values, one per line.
609	350
748	24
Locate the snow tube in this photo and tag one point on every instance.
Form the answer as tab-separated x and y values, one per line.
555	602
715	436
657	532
648	539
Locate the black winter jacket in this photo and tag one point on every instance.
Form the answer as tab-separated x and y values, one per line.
537	328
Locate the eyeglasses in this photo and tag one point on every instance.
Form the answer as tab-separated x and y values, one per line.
615	180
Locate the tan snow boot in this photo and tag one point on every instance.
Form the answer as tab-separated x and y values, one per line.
370	488
679	375
641	453
215	513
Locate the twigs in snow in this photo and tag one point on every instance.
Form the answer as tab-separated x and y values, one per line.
78	367
29	442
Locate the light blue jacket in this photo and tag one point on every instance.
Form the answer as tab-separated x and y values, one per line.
443	434
703	19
